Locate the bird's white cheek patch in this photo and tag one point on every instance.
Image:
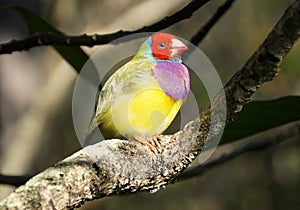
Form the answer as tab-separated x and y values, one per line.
175	54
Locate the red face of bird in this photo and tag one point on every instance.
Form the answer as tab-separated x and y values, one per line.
167	47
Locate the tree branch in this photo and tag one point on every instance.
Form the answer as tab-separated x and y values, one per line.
262	66
267	139
123	166
14	180
96	39
199	36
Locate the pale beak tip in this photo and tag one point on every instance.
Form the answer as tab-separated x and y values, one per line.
178	45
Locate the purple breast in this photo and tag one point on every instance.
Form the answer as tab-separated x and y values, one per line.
173	78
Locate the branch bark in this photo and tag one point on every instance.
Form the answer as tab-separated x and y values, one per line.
117	166
265	140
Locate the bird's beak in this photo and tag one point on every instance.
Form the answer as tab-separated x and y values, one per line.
177	48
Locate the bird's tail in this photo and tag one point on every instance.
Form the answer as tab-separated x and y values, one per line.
92	133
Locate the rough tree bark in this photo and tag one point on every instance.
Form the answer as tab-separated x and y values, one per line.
116	166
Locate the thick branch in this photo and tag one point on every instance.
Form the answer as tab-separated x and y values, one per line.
266	139
96	39
118	166
262	66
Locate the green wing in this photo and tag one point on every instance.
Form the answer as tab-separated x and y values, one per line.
130	78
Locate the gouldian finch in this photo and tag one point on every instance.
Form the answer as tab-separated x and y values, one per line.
142	98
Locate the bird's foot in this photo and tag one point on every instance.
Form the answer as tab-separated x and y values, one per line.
151	142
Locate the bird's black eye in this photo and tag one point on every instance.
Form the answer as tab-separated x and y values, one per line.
162	45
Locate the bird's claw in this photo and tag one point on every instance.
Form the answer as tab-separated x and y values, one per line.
151	142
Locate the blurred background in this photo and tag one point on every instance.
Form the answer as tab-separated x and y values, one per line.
36	89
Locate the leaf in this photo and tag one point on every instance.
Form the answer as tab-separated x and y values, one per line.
258	116
74	55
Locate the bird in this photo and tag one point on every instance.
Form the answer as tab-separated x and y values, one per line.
141	99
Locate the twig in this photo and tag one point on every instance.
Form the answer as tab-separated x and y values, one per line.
267	139
198	37
14	180
96	39
123	166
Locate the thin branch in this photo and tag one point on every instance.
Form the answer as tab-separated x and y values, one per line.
266	140
45	39
14	180
199	36
116	166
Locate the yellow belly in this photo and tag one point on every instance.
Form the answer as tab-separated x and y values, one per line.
146	113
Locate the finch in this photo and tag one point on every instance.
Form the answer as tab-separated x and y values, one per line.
141	99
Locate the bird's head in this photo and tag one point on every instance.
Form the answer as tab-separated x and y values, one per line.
165	46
